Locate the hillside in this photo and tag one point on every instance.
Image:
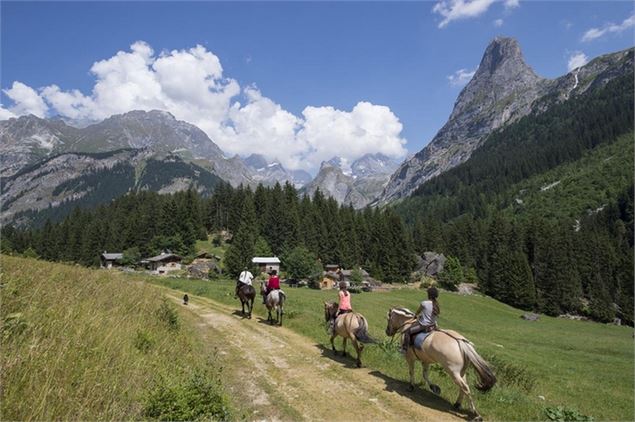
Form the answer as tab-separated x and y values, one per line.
81	344
553	358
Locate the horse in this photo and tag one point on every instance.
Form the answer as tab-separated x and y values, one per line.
449	349
349	325
274	300
247	295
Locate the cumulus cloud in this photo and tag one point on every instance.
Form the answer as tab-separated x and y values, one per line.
461	77
26	100
452	10
577	59
191	85
609	28
498	23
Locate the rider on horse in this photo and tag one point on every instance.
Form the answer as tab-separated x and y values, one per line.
426	319
272	284
344	306
244	279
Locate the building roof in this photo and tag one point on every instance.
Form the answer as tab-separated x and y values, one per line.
112	256
163	257
265	260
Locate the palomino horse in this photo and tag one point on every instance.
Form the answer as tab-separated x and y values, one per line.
274	300
247	295
349	325
447	348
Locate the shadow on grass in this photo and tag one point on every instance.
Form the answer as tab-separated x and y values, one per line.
419	395
264	321
348	360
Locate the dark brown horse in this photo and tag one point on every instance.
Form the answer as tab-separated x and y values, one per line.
247	294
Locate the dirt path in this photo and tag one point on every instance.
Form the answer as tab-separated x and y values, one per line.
277	374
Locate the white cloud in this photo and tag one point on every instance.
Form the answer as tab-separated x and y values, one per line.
461	77
610	28
577	59
498	23
460	9
192	86
26	100
512	4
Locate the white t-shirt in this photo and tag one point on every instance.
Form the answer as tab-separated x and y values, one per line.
426	317
246	277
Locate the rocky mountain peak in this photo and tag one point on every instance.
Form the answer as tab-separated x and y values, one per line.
501	54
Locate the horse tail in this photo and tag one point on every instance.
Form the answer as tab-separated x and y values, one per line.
486	376
362	331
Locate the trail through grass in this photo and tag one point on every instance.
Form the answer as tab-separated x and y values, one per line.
583	366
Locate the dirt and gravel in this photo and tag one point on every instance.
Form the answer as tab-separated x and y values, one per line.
276	374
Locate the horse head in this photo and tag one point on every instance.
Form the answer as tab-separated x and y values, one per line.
397	318
330	309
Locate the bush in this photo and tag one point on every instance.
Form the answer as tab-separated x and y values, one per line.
302	263
452	274
200	397
562	414
143	341
167	314
427	282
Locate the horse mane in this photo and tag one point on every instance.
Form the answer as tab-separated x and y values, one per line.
405	312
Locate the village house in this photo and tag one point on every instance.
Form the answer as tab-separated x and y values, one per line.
164	263
110	260
266	264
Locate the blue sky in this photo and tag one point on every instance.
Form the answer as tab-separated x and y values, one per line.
287	56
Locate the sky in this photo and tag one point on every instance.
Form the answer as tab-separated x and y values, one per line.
300	82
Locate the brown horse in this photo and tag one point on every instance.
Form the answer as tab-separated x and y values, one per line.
449	349
349	325
247	294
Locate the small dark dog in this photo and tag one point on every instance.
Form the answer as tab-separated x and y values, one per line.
186	299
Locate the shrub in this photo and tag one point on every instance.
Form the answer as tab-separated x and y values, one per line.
143	341
512	374
301	263
200	397
563	414
167	314
452	274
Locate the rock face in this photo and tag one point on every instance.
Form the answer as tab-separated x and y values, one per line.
28	139
268	173
431	263
503	89
358	183
66	180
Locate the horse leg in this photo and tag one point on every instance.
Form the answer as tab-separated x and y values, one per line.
242	302
464	390
333	342
433	387
411	369
358	348
344	346
250	307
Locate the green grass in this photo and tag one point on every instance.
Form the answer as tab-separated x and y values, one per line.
579	365
80	344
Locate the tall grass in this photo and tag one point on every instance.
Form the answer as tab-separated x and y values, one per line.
540	365
81	344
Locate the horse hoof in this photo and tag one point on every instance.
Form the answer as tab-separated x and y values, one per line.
456	406
359	364
477	418
436	389
411	387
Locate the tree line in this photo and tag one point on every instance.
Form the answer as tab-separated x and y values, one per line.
265	220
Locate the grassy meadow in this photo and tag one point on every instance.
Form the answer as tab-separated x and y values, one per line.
81	344
584	367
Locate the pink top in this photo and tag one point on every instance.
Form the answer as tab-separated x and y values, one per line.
345	301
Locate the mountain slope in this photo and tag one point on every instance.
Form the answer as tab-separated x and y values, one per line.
53	187
28	139
357	184
503	90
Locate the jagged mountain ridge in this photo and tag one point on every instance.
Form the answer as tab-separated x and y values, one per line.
271	173
503	90
61	182
357	184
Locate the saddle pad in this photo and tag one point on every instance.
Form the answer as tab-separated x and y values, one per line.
419	339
